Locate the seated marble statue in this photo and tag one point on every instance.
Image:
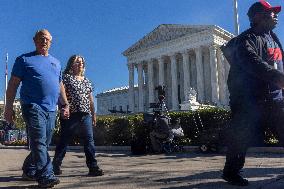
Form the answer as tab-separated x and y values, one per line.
190	102
192	96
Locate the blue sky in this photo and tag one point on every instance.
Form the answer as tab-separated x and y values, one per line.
101	30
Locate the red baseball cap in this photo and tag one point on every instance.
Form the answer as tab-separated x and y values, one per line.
262	6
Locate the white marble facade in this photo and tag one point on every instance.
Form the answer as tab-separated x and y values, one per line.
179	57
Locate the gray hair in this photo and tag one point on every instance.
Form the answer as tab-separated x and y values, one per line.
42	31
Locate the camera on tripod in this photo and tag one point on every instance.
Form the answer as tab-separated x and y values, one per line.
157	107
161	97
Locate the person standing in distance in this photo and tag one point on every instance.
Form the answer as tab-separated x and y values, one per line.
255	83
40	76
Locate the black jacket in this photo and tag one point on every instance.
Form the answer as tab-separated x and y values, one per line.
250	74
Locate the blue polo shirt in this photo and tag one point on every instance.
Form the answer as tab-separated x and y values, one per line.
40	77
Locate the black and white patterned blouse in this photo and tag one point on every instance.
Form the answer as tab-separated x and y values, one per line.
78	93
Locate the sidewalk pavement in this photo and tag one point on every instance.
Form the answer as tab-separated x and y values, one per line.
125	171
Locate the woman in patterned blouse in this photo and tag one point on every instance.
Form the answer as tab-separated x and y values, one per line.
82	115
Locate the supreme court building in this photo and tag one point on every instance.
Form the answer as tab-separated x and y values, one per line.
178	57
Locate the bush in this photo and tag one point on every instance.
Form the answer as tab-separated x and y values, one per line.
102	128
118	130
16	143
121	130
203	121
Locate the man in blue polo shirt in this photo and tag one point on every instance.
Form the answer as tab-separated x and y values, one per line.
40	75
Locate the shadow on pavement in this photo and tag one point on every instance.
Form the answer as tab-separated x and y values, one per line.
104	153
248	173
14	179
10	179
264	184
16	187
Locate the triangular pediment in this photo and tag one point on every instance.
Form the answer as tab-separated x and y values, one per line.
163	33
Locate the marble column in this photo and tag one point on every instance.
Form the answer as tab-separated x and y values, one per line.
131	87
174	82
161	65
186	74
140	88
199	74
146	84
227	69
145	71
214	75
221	77
151	81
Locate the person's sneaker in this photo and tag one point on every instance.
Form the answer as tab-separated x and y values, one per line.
235	179
96	172
27	177
57	170
48	183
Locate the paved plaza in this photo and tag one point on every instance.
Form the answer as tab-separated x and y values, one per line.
125	171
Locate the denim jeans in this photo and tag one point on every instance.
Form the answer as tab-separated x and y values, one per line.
40	125
80	123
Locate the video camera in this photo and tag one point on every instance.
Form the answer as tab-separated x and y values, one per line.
150	118
161	97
